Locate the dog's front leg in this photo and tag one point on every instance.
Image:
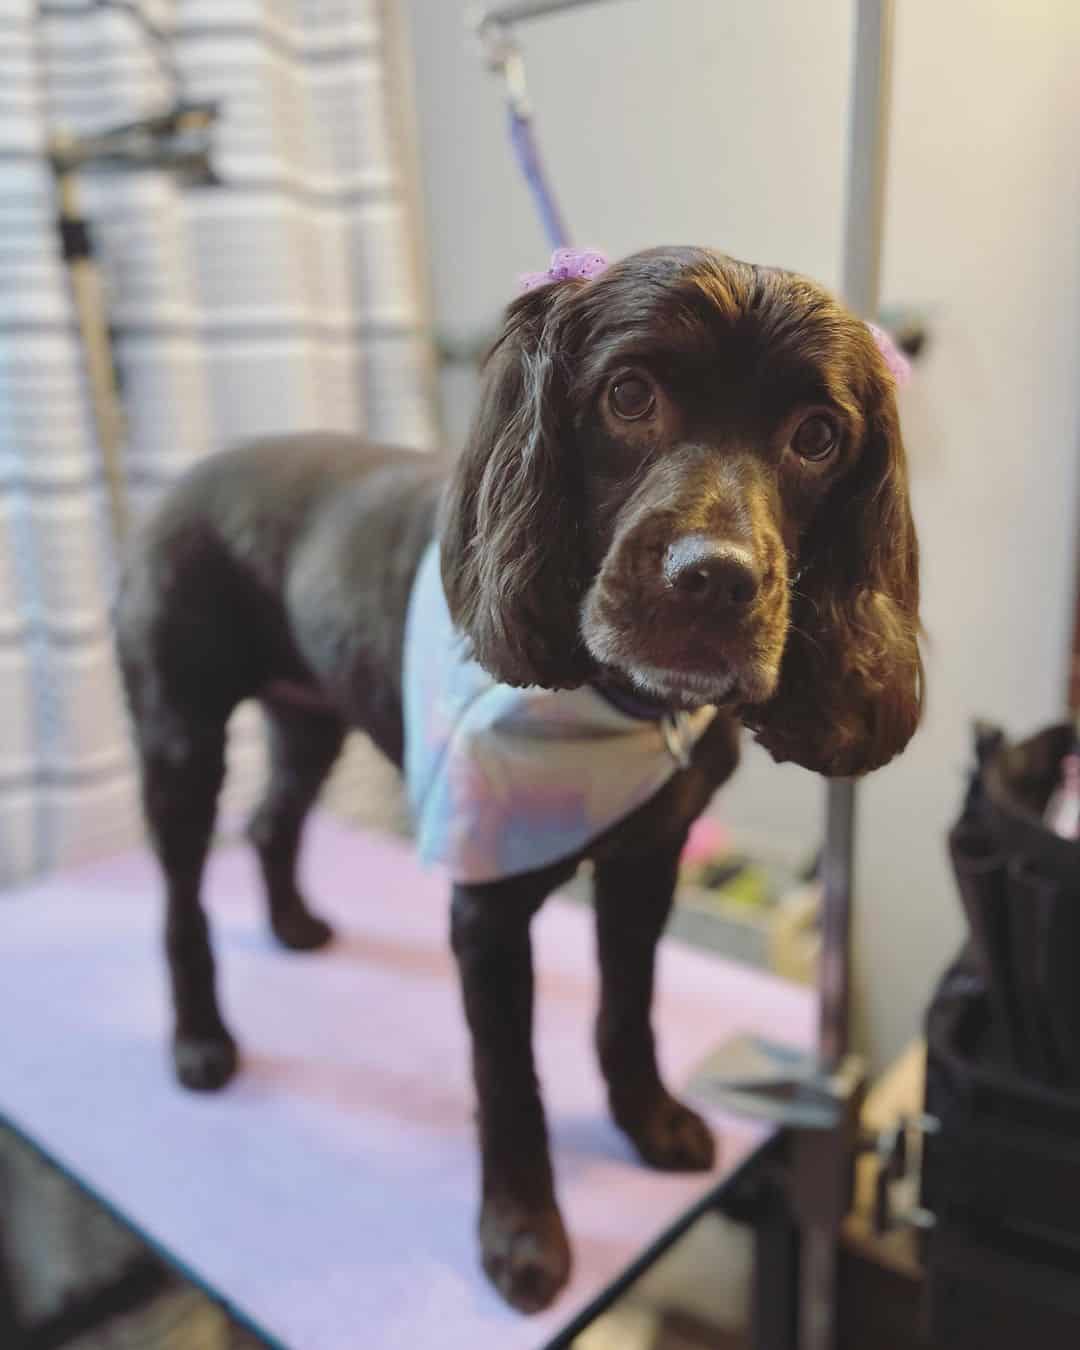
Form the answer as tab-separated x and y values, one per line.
523	1243
633	896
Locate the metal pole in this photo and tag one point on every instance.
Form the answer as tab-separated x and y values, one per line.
90	309
478	15
868	155
834	974
861	285
176	140
830	1157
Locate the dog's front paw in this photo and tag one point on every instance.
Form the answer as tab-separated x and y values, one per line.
298	929
204	1063
671	1137
525	1253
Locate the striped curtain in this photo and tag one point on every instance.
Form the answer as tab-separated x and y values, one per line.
286	298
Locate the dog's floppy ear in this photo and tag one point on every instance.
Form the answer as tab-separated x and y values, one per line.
511	551
851	681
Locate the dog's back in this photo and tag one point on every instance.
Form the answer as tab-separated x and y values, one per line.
284	561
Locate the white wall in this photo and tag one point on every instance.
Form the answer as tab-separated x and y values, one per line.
662	121
725	124
984	222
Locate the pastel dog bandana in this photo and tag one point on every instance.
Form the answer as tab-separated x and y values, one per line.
502	780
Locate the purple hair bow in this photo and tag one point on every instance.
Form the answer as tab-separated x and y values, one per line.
567	264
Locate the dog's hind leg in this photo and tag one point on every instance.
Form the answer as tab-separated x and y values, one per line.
183	764
304	745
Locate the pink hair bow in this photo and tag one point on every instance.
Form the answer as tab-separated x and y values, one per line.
567	264
898	364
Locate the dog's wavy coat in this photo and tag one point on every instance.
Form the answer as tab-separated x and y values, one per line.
685	485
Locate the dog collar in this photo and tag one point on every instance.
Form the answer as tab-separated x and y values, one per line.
678	728
639	706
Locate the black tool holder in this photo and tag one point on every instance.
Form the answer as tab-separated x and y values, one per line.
1002	1170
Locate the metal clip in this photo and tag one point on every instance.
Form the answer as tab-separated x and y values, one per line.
676	733
899	1152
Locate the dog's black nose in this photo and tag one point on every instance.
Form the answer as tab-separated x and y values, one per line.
712	572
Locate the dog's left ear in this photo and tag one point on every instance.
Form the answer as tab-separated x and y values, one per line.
511	551
851	682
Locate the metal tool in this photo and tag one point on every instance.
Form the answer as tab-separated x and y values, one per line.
175	141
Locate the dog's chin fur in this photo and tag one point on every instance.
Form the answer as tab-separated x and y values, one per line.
727	682
686	690
683	690
679	663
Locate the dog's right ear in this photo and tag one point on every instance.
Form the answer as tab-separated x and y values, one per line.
510	531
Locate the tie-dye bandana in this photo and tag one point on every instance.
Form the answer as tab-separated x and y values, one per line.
502	780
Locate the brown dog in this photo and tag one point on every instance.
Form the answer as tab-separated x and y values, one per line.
684	486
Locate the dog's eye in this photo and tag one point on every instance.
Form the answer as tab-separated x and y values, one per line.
632	398
816	438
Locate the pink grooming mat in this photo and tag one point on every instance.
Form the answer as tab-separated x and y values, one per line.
329	1193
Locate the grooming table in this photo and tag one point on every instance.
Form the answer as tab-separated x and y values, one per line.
328	1195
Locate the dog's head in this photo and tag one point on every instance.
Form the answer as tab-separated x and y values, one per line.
686	476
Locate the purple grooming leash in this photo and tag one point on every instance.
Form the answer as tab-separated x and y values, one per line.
504	56
494	27
523	139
